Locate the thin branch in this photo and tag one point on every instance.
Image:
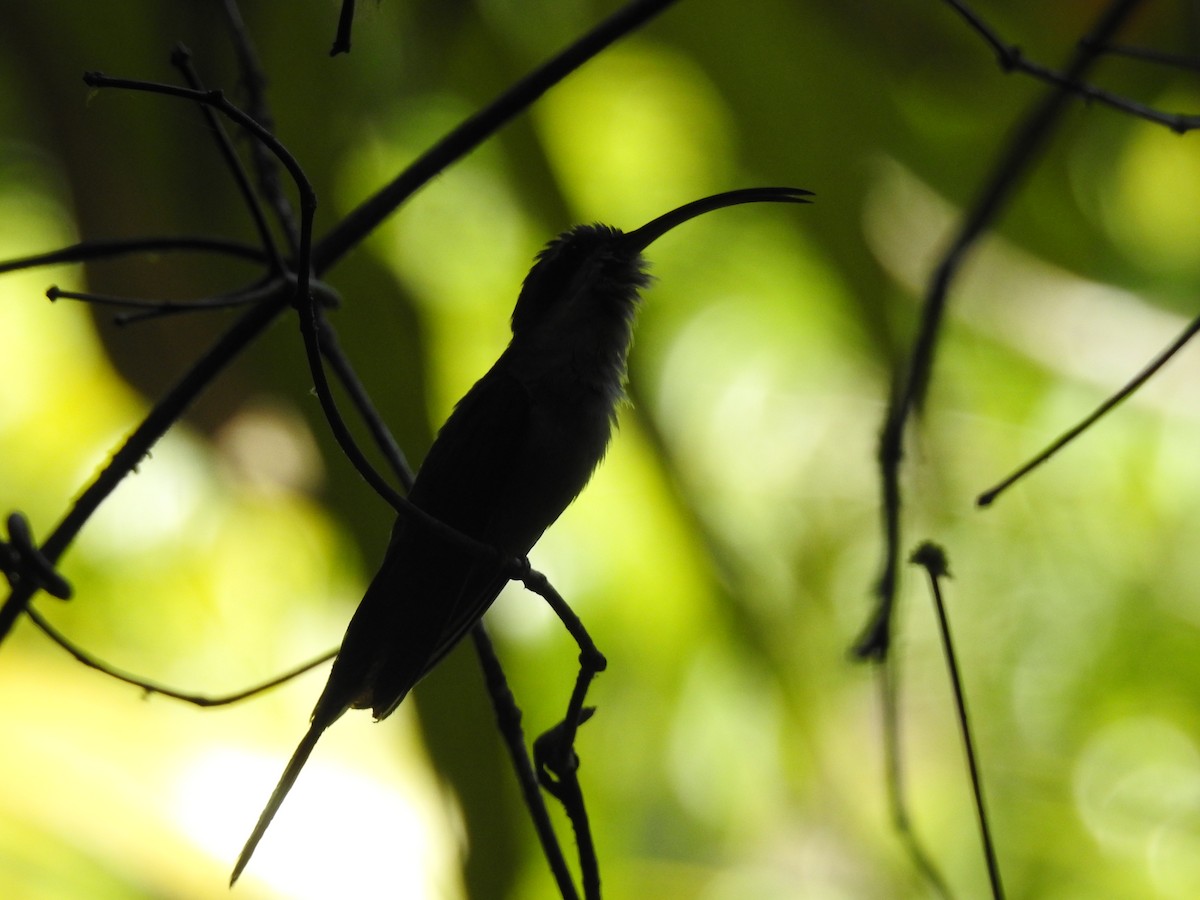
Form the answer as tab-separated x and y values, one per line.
22	561
303	299
933	559
110	248
554	751
558	772
332	351
535	581
218	101
508	720
1180	123
255	81
149	309
988	496
341	41
152	687
181	58
1011	59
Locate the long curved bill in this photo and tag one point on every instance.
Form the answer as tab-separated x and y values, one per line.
643	237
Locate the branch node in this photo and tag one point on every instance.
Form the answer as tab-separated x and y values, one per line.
933	558
1010	58
554	754
22	561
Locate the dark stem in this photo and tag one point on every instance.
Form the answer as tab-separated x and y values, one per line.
112	248
341	41
1011	59
152	687
933	558
255	81
589	656
152	308
331	350
988	496
181	58
554	751
508	720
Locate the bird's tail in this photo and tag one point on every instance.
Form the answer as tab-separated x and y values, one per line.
295	764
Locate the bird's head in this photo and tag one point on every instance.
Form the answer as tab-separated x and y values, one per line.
592	274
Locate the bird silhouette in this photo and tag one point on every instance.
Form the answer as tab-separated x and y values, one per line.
518	448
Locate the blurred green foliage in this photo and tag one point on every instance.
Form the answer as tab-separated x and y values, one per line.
724	555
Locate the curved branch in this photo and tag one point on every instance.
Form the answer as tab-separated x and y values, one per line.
110	248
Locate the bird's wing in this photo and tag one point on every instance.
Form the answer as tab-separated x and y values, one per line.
467	471
430	592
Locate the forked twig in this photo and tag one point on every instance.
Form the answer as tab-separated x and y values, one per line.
911	386
1011	59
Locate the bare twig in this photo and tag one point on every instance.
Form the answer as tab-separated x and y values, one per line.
181	58
341	42
23	563
152	687
332	351
1011	59
148	309
255	81
111	248
933	559
558	772
988	496
554	750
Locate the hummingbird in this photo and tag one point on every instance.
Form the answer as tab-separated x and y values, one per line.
518	448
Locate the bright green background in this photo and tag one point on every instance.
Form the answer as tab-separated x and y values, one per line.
723	556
